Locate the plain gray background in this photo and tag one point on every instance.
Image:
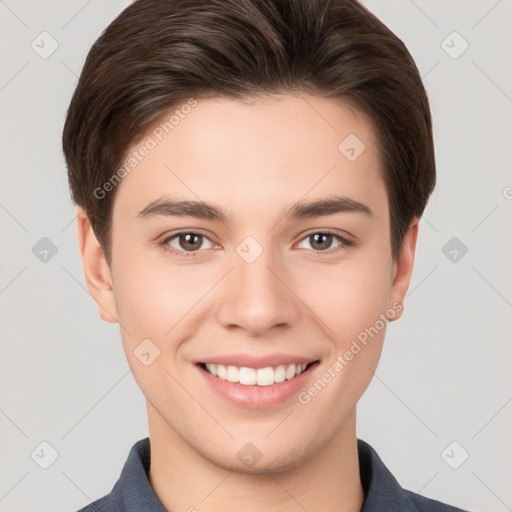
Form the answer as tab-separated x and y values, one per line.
443	386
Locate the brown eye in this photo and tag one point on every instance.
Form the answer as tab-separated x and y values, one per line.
187	243
190	241
321	241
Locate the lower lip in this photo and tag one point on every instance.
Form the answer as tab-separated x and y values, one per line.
259	397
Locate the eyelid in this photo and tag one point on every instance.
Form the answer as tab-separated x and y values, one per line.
168	237
345	241
327	231
191	231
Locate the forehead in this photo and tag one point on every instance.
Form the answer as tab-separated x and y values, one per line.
254	153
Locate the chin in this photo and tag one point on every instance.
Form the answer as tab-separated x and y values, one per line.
261	464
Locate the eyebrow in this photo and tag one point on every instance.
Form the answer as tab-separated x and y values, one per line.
300	210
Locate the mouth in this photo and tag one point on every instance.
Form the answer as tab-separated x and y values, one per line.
260	377
257	381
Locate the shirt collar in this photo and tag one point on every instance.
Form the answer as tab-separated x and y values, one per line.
382	491
133	491
380	487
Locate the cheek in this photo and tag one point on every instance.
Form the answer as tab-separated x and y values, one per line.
149	304
351	303
348	297
149	296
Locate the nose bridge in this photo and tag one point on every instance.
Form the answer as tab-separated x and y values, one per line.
257	298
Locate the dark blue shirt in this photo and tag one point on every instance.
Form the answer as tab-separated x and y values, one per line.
133	492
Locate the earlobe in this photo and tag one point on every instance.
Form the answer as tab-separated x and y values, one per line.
403	266
97	273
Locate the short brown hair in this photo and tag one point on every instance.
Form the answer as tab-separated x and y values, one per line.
158	53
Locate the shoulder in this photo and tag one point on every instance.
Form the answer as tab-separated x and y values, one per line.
422	504
107	503
383	492
132	491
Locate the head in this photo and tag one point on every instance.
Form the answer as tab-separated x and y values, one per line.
265	114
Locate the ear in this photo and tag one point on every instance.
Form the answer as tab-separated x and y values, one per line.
403	266
97	273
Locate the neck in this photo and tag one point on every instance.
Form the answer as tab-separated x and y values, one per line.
184	480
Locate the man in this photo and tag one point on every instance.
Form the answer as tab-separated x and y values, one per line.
250	176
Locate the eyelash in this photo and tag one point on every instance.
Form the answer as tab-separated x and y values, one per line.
344	243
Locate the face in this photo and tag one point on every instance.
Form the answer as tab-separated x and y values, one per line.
254	238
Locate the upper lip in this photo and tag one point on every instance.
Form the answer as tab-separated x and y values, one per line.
254	361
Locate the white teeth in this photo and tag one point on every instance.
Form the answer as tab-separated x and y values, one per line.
247	376
265	376
232	374
221	371
280	374
212	368
290	372
250	376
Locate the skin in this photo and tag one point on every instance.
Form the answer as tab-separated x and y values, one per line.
254	160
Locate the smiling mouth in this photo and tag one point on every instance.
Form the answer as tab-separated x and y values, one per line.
256	377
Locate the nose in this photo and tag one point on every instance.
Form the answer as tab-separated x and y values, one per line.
258	296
